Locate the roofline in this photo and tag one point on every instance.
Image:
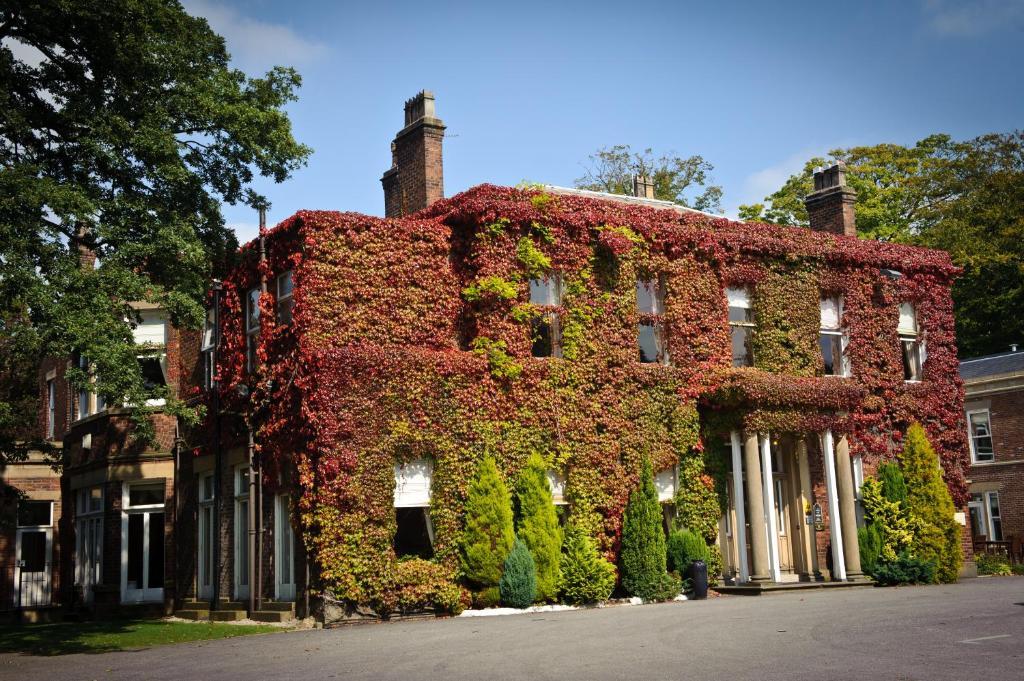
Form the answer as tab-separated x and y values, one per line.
626	198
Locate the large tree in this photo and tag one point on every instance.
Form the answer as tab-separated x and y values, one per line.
965	197
122	129
685	181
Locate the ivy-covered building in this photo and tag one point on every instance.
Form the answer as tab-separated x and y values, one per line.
365	365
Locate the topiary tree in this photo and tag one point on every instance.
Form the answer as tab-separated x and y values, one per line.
488	536
684	547
643	543
519	578
537	526
894	486
586	577
938	537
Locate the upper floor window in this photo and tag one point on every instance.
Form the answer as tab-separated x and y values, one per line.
35	513
833	339
209	340
84	394
650	303
980	430
284	298
51	408
546	293
741	325
252	327
910	342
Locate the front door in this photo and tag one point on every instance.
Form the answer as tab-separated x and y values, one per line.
242	532
32	566
782	515
142	542
205	538
284	550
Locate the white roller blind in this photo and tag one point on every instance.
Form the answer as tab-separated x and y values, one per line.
556	481
738	297
908	319
665	482
831	312
412	483
152	328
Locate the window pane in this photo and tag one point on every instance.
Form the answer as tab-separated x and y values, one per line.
156	551
911	359
33	513
544	291
648	343
997	524
542	337
649	297
136	526
742	354
738	297
981	436
832	353
741	315
908	319
152	372
284	285
411	535
33	551
284	311
252	321
242	540
95	499
146	495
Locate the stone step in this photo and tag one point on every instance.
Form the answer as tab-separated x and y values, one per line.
272	616
279	606
223	604
227	615
193	614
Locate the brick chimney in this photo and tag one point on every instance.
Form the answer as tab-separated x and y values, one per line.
643	187
830	205
416	177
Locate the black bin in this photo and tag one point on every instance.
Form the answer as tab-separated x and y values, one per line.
698	574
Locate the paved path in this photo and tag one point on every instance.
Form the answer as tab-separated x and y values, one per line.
971	630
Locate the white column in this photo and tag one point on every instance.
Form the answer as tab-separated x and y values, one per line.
739	531
838	560
771	518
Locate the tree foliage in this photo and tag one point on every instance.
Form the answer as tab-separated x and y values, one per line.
586	577
643	554
538	526
518	577
964	197
122	128
686	181
488	536
938	537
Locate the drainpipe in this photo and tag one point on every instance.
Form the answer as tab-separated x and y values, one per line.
256	496
217	455
251	544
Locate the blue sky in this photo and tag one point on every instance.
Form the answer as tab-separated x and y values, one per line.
529	90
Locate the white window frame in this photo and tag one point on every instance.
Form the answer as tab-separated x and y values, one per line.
739	297
88	540
971	437
399	500
655	289
147	594
251	324
836	330
985	503
206	348
908	334
284	589
549	311
204	525
284	297
51	408
241	537
38	591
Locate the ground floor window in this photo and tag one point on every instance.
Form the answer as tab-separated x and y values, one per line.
206	536
414	535
985	518
142	541
88	539
33	552
284	549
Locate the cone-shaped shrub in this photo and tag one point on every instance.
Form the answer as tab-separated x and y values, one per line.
586	577
894	486
643	543
519	578
938	539
869	540
488	536
538	526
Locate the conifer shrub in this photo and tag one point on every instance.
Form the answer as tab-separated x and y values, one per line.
585	575
683	547
519	578
643	555
894	485
937	539
488	536
906	569
869	540
538	528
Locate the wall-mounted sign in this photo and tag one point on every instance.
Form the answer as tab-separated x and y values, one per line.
819	521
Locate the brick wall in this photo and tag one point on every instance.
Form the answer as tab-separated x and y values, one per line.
1005	474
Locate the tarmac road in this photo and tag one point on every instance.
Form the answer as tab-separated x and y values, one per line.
971	630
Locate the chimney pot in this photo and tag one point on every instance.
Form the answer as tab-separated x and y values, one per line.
643	187
830	207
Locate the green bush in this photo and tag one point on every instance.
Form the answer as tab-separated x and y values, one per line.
586	577
869	540
488	536
519	579
643	541
894	485
1017	568
488	597
537	526
994	565
928	499
906	569
683	547
422	584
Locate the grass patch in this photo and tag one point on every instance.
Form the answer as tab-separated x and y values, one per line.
65	638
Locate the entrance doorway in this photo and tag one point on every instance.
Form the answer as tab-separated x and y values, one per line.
206	538
284	550
88	540
242	533
33	553
142	542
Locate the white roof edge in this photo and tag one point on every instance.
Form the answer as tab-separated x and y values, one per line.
626	198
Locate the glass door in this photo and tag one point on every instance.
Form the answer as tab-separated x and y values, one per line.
88	540
242	532
33	553
284	553
142	542
206	537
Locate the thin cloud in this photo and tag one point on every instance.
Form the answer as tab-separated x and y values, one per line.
973	18
256	45
759	184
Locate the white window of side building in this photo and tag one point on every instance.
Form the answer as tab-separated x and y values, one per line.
207	347
741	325
985	517
910	343
546	332
979	430
832	338
414	533
284	298
88	539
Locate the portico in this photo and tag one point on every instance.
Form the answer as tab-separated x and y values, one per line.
770	536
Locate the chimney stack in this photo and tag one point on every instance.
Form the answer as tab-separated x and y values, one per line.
643	187
416	177
830	205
